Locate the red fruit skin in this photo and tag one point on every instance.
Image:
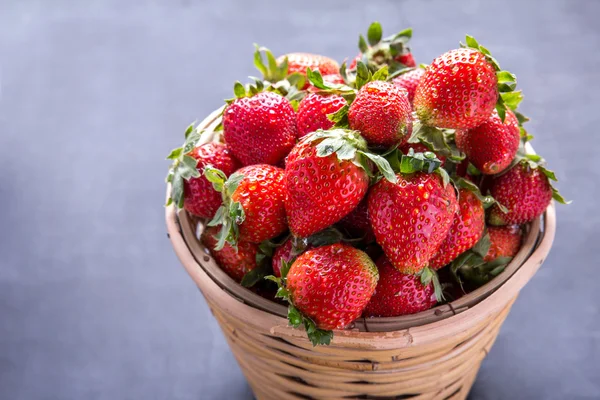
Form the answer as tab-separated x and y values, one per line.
332	284
355	61
313	110
298	62
199	196
505	241
419	148
491	146
411	218
407	59
284	253
471	79
260	129
320	190
398	294
466	230
381	111
262	196
357	223
526	193
235	263
409	81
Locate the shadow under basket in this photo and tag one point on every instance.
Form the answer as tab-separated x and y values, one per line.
434	354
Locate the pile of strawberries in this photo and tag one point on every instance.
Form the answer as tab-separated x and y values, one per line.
375	189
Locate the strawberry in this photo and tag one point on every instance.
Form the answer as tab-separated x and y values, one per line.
525	191
382	113
409	81
190	189
466	230
325	179
493	145
471	79
253	207
406	59
199	196
287	252
331	285
411	218
313	111
260	129
283	254
357	223
377	51
236	262
398	294
505	241
461	88
299	62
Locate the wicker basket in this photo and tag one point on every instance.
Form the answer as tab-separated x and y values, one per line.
430	355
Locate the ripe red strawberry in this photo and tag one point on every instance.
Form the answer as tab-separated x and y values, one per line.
313	111
199	197
409	81
260	129
321	190
466	230
235	262
285	253
459	90
398	294
491	146
332	284
524	191
261	194
357	223
419	148
505	241
411	218
407	59
382	113
253	207
299	62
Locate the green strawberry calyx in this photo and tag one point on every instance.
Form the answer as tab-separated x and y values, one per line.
295	317
184	166
230	215
263	263
471	266
413	162
349	145
486	200
440	141
377	51
507	82
428	277
276	76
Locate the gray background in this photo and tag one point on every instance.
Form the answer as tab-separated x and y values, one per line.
93	95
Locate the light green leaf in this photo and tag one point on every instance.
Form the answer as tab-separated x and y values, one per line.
174	154
381	74
374	33
383	165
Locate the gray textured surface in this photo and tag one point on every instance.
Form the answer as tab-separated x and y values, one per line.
93	303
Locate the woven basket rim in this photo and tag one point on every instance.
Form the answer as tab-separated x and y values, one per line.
212	281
